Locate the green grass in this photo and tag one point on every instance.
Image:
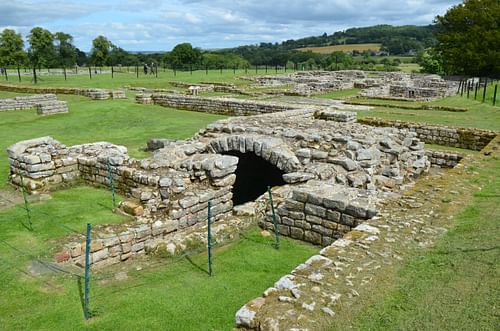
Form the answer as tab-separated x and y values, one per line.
410	67
118	121
174	294
454	286
150	81
479	115
342	94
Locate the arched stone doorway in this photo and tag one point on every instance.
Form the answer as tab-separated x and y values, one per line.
253	176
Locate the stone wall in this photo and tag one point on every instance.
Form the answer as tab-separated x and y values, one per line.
318	160
51	107
444	159
226	106
467	138
337	116
111	246
26	102
95	94
178	190
319	212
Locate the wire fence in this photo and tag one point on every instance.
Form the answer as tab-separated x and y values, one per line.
188	255
482	89
35	75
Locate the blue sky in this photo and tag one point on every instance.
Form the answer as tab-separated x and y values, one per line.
155	25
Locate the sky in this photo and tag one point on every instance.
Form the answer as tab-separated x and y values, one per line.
154	25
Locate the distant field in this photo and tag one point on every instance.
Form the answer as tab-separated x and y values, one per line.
342	48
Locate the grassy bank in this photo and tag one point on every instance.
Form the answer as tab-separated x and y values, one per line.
150	294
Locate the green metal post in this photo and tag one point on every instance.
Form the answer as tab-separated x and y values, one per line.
484	90
26	204
209	238
86	310
275	222
495	95
111	183
475	91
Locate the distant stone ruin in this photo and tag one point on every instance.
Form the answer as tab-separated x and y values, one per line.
95	94
45	104
373	84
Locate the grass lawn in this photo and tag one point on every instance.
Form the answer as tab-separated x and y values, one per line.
479	115
120	80
118	121
165	294
342	94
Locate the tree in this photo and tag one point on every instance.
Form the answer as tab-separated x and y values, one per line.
65	50
430	61
101	49
41	51
81	57
184	56
11	48
469	38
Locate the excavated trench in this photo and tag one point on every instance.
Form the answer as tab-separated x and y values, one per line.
253	176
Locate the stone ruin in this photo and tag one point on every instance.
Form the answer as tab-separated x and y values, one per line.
45	104
373	84
329	175
327	178
93	93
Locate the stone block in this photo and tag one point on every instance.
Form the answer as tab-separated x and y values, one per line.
312	237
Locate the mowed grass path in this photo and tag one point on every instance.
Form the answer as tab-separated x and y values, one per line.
118	121
166	294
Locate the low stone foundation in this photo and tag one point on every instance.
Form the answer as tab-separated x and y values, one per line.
337	116
51	107
111	246
467	138
95	94
26	102
444	159
227	106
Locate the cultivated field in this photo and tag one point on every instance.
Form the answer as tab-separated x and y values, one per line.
342	48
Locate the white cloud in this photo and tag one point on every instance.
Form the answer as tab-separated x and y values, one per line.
159	25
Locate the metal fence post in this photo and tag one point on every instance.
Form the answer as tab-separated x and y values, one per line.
495	95
209	238
275	221
484	90
26	205
86	309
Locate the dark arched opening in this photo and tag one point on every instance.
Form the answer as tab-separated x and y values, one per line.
253	176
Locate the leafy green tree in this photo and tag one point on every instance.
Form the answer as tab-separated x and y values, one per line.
42	51
430	61
65	50
100	53
183	56
469	38
11	48
81	57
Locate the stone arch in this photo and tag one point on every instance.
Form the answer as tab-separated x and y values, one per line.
273	150
262	162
